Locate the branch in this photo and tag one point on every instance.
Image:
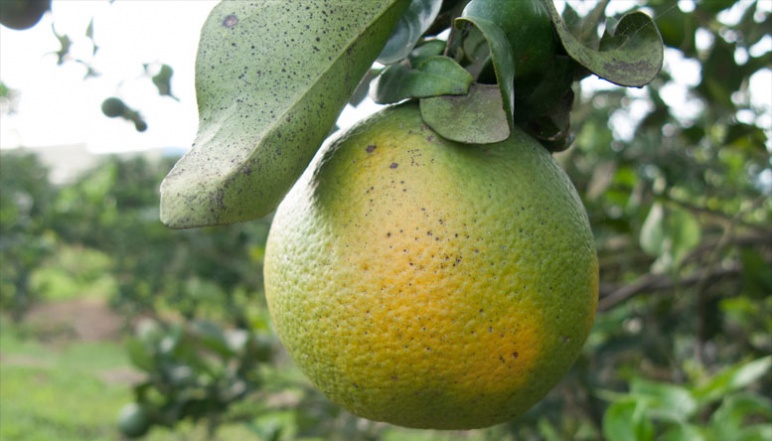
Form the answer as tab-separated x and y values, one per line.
610	296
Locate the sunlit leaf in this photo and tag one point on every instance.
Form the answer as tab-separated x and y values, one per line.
669	234
668	400
626	420
683	432
733	378
653	231
735	411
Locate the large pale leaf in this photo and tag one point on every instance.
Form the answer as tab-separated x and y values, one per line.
630	53
271	79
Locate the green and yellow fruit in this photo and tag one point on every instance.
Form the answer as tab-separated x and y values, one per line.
428	283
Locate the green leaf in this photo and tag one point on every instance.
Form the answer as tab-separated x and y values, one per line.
65	44
756	432
501	57
683	231
630	53
736	410
411	26
211	337
669	401
669	234
163	79
90	36
475	118
652	234
683	432
732	379
626	420
139	354
433	76
269	91
426	49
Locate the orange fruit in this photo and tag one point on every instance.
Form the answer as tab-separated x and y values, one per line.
428	283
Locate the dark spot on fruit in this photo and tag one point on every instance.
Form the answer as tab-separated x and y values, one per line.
370	148
394	165
230	21
515	355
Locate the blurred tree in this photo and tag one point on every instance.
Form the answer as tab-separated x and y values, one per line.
26	238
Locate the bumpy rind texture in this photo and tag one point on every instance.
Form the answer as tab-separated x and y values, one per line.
431	284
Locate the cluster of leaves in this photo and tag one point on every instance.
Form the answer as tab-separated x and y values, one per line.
26	240
477	68
714	408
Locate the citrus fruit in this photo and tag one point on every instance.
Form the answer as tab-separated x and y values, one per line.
428	283
134	421
22	14
114	107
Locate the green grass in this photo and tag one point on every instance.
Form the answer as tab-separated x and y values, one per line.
59	393
64	393
74	272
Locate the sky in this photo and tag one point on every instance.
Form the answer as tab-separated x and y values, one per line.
56	106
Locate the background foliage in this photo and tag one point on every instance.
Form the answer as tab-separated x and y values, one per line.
680	205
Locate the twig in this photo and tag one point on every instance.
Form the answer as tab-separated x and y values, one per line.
660	282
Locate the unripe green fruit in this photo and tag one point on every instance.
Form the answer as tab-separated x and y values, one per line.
134	420
113	107
22	14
